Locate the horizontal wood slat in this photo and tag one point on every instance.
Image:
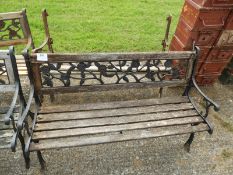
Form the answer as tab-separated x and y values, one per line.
5	127
13	42
6	133
11	15
2	117
112	120
114	112
5	143
4	109
7	88
113	105
114	128
65	57
5	136
118	137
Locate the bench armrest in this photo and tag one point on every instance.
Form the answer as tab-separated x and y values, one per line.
26	111
208	100
40	48
48	40
192	83
22	123
7	117
29	44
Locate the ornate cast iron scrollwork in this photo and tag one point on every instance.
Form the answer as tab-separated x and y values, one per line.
10	29
112	72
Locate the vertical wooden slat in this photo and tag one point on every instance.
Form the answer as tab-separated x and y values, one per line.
22	23
9	68
37	77
27	28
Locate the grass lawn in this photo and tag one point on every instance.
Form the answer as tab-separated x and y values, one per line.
100	25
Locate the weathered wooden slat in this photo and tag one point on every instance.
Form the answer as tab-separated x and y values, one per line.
13	42
4	109
115	112
20	73
114	104
5	127
5	146
7	88
20	59
5	143
113	120
2	117
6	133
22	68
176	111
125	136
23	73
11	15
110	87
65	57
114	128
10	70
4	54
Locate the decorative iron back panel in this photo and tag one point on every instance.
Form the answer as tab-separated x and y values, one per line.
10	30
109	72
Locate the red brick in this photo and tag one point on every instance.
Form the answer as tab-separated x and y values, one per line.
199	18
214	3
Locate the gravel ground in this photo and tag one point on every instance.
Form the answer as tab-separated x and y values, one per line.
210	154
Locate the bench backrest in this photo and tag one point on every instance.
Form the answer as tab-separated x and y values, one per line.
63	73
14	29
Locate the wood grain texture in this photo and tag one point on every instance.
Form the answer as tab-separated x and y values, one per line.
114	128
65	57
13	42
117	137
11	15
2	117
4	109
5	137
7	88
114	112
5	127
112	120
112	105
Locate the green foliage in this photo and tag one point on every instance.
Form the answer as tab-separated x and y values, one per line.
100	25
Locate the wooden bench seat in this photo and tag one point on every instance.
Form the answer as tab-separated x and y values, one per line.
80	125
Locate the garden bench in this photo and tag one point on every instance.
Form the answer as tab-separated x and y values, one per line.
15	30
63	126
10	112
